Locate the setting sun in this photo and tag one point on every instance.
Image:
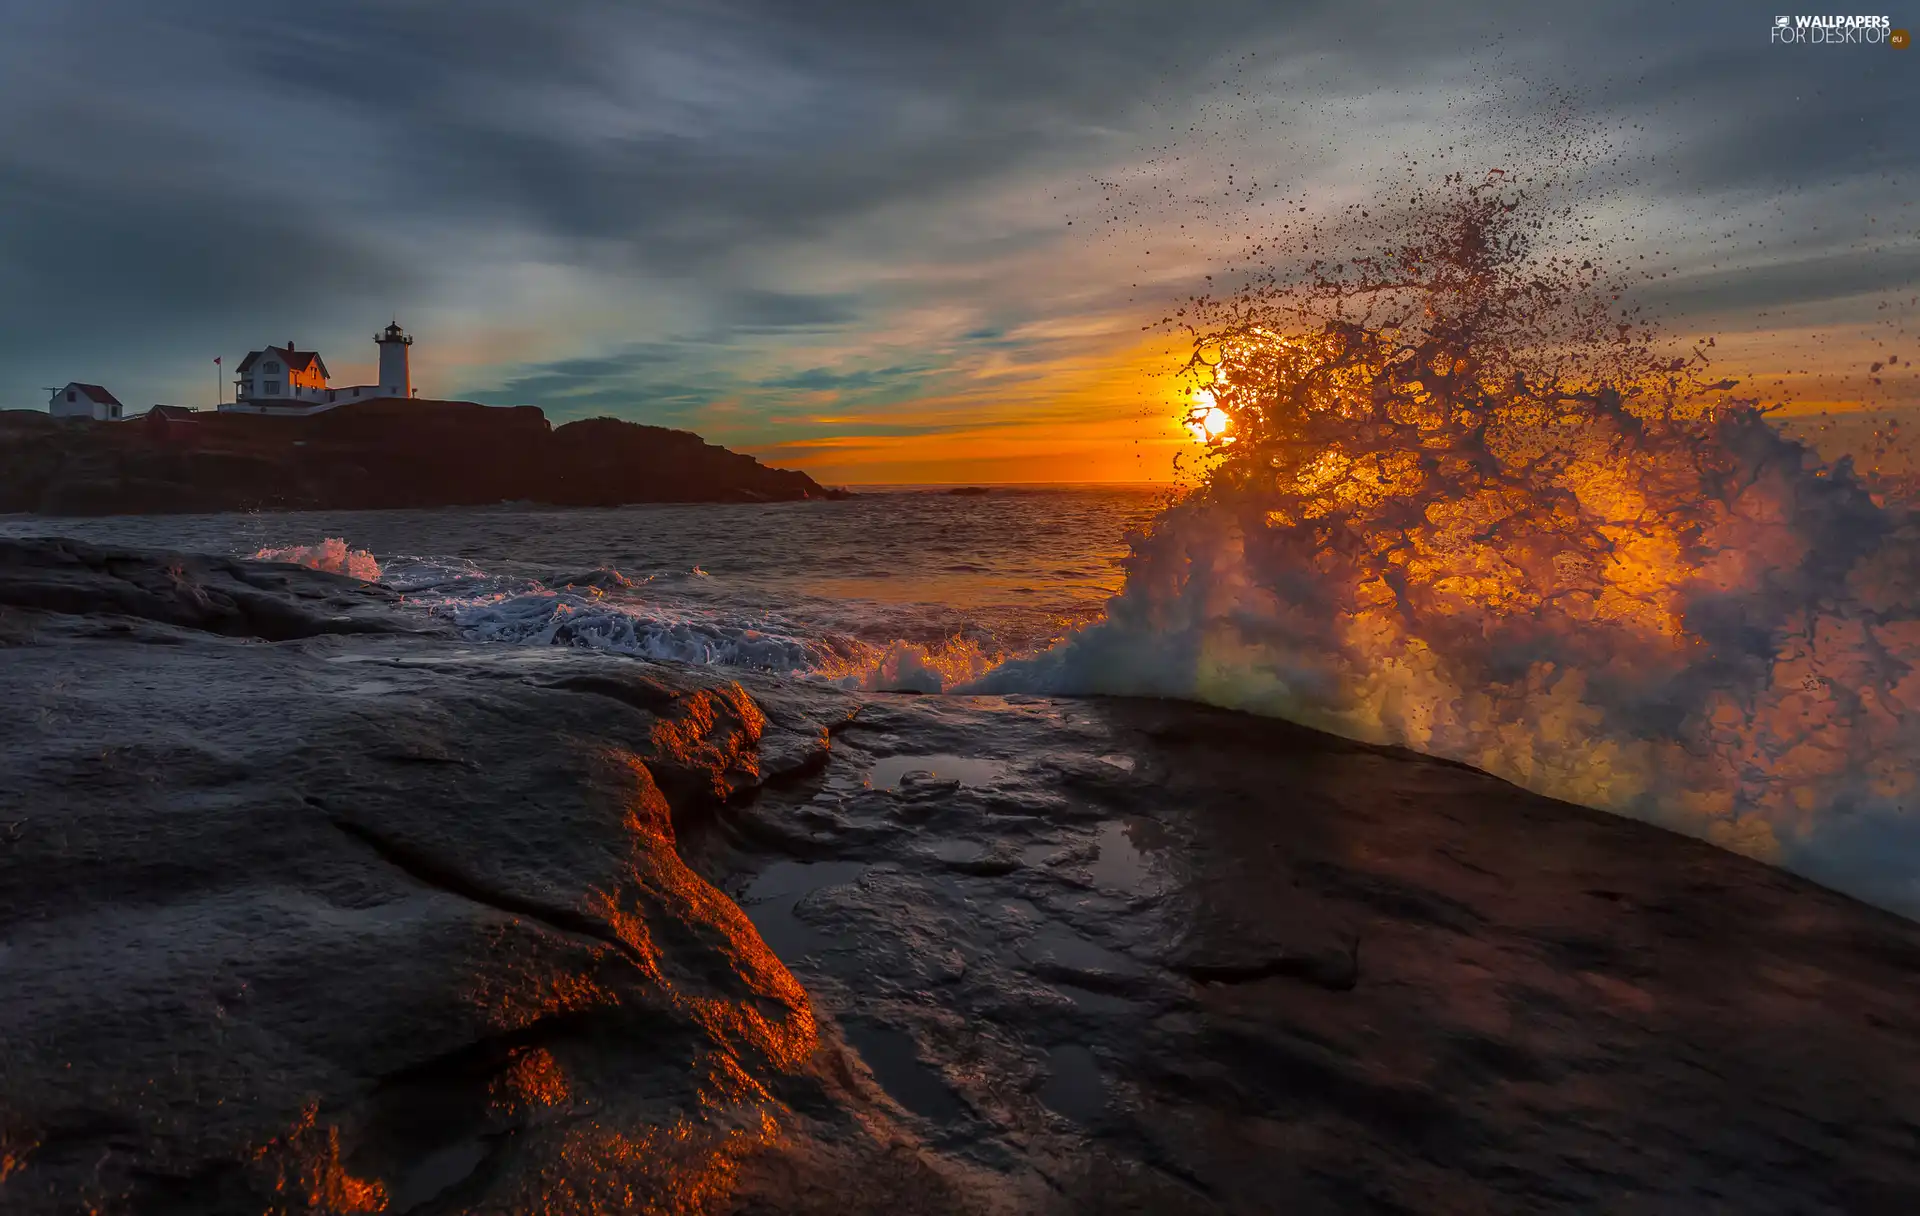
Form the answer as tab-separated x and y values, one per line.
1205	420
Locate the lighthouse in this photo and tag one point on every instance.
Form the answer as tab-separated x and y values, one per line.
395	379
288	381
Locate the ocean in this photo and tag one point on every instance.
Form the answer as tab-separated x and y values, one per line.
897	588
1719	701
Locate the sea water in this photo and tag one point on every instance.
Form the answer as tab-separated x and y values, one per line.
907	587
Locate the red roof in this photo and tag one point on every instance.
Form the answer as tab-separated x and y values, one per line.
97	393
296	360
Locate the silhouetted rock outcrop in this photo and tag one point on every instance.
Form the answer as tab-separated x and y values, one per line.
370	454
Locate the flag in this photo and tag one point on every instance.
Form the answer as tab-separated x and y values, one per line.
216	358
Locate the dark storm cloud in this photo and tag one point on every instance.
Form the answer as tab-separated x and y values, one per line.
611	365
772	311
664	402
210	174
1790	281
118	273
596	381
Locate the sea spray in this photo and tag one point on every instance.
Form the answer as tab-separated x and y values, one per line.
1461	501
331	555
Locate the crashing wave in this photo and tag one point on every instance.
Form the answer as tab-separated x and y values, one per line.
331	555
1459	503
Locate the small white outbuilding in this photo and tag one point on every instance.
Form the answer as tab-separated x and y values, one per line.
84	401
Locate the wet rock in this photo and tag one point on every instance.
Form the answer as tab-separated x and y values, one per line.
373	922
1334	971
1260	969
301	910
273	603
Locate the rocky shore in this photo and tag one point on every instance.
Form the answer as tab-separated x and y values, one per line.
367	456
307	905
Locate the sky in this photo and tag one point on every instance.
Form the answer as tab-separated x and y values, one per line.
880	240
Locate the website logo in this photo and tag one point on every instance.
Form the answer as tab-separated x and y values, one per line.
1838	31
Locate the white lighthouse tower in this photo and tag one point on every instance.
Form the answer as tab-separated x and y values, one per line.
395	379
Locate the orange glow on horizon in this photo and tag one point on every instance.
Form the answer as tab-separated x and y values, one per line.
1121	416
1113	410
1115	416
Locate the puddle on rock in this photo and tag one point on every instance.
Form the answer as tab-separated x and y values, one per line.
769	901
437	1173
1074	1086
895	1062
1062	950
1038	855
1088	1001
1120	865
888	771
792	879
958	852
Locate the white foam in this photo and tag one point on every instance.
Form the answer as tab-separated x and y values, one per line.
604	610
544	617
1781	733
331	555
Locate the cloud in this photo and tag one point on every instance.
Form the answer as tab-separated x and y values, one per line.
677	205
820	379
774	311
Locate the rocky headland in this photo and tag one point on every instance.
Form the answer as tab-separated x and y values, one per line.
308	905
366	456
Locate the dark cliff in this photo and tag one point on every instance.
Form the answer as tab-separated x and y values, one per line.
368	455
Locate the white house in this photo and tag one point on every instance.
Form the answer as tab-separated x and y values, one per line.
281	379
286	380
79	400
